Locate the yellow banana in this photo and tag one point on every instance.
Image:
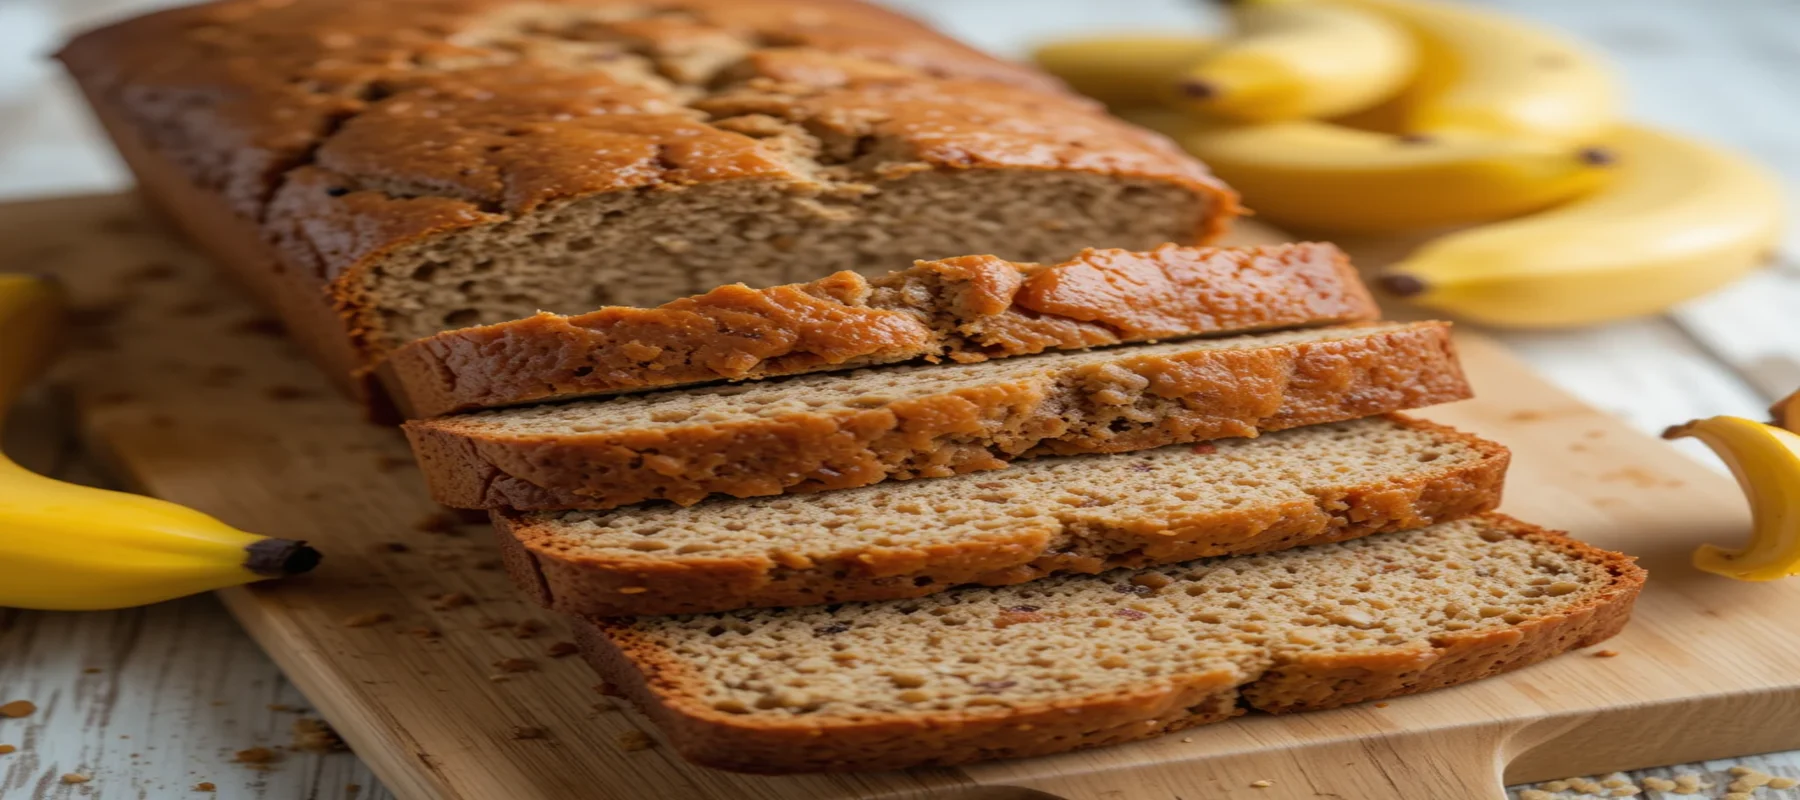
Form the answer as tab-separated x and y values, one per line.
1487	73
1323	177
1787	412
1681	218
1122	70
70	547
1766	461
1293	59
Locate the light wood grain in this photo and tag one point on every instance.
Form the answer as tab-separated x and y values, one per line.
193	407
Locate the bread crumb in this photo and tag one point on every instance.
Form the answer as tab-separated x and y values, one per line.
427	634
366	619
515	665
561	649
76	777
256	755
1783	783
91	671
314	736
205	786
281	707
1381	705
1187	740
1605	653
439	522
451	600
498	678
1659	784
391	547
635	740
1261	784
1536	794
527	732
7	748
490	624
527	629
17	709
352	789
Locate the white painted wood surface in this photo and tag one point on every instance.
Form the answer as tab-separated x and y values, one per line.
178	688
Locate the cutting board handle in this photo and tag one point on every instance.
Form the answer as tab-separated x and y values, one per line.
1458	764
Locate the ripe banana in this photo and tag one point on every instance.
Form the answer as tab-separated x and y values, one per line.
1766	462
1787	412
69	547
1323	177
1122	70
1482	72
1295	59
1680	219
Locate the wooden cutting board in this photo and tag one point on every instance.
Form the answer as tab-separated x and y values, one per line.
196	398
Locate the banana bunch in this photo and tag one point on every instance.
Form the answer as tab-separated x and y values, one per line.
69	547
1387	116
1765	459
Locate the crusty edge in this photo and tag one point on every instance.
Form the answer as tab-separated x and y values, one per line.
739	333
576	583
236	246
667	690
1193	396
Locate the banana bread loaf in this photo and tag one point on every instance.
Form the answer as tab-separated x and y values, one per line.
968	308
1089	660
379	172
1092	513
843	429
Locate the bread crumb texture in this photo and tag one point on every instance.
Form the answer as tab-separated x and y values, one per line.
17	708
1080	514
1173	646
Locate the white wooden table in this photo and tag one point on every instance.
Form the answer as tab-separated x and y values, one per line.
151	702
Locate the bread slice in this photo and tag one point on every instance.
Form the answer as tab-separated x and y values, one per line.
1082	661
1321	483
839	430
969	308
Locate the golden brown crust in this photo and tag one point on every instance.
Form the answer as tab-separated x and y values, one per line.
566	579
669	691
1191	395
967	308
343	131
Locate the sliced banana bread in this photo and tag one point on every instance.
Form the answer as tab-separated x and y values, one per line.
1091	513
1081	661
379	172
838	430
968	308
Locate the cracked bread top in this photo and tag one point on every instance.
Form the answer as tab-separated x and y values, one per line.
350	128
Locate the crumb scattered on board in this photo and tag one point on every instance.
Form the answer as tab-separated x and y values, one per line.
6	749
561	649
205	786
451	600
17	709
256	755
440	522
76	777
314	736
1261	784
515	665
1605	653
527	732
634	740
366	619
